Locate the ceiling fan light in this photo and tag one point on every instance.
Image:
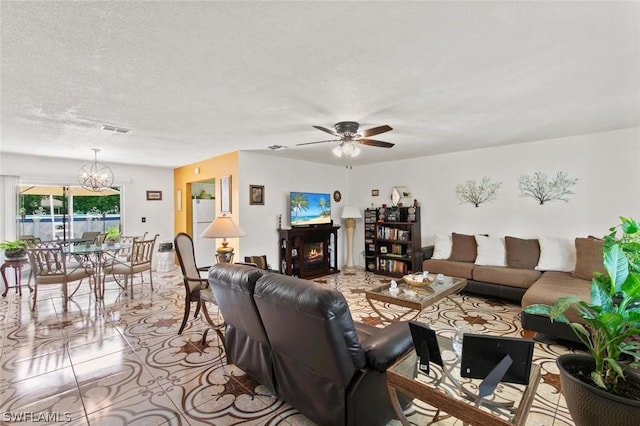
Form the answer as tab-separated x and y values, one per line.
356	151
337	151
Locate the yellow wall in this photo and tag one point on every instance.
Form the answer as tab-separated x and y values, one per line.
210	169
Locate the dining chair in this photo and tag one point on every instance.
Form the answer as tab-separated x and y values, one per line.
127	242
259	261
89	235
99	240
196	288
50	265
138	261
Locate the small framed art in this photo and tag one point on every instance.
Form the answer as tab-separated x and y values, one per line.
225	194
154	195
256	195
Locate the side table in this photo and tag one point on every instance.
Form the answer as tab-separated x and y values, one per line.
17	265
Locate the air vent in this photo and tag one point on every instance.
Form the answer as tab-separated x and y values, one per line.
115	129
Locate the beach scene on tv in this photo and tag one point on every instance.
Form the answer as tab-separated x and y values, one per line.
309	208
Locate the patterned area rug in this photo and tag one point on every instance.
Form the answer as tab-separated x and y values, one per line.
120	361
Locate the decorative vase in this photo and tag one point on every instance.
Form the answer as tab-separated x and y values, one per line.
590	405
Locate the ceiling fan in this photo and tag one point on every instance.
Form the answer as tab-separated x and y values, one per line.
347	132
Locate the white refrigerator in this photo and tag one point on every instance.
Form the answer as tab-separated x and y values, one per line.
204	212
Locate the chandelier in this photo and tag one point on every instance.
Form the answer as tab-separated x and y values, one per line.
346	148
95	176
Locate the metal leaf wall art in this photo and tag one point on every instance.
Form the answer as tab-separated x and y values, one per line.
540	187
477	193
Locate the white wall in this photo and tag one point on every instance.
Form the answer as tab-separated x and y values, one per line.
280	176
135	180
607	166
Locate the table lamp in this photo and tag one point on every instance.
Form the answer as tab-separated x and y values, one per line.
350	214
223	227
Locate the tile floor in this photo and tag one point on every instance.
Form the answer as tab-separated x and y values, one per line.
120	362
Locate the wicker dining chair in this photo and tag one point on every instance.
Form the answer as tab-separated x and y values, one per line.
50	265
138	261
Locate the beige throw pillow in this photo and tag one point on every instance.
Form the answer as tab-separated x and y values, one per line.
442	246
491	251
556	254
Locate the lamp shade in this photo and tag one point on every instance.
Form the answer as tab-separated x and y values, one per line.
223	227
351	212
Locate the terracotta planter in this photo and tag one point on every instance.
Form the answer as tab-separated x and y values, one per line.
590	405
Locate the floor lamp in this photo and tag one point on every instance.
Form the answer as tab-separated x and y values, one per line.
223	227
350	214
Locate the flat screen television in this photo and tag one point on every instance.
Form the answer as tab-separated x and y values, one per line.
309	208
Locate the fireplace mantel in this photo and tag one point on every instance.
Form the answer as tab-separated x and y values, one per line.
309	252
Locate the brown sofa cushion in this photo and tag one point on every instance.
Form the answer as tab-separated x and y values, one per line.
588	258
521	253
552	285
449	268
512	277
464	248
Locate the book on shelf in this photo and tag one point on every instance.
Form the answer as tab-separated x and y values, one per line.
389	233
392	266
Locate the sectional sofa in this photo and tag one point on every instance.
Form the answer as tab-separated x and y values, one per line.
526	271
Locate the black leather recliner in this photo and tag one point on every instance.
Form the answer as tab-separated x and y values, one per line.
324	364
246	342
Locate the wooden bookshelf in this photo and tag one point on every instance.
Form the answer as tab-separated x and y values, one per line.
393	241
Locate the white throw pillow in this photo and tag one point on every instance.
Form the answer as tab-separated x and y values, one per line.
491	251
443	245
556	254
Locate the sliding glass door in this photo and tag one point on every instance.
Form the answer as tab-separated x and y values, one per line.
65	212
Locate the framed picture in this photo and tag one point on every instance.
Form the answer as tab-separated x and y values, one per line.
256	195
225	194
375	192
154	195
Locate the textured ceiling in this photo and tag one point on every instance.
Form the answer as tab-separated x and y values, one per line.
198	79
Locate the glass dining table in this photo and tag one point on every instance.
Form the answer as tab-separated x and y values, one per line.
96	256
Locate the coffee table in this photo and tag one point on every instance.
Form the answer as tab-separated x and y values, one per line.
415	299
445	390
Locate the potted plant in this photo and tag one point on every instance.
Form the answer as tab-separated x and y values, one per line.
603	386
112	235
14	249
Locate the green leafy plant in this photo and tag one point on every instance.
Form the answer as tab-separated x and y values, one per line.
16	244
112	234
16	248
612	319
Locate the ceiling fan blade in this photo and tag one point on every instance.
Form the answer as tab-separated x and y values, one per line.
331	132
372	142
375	131
311	143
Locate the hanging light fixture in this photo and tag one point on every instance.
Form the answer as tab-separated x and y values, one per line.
95	176
347	148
